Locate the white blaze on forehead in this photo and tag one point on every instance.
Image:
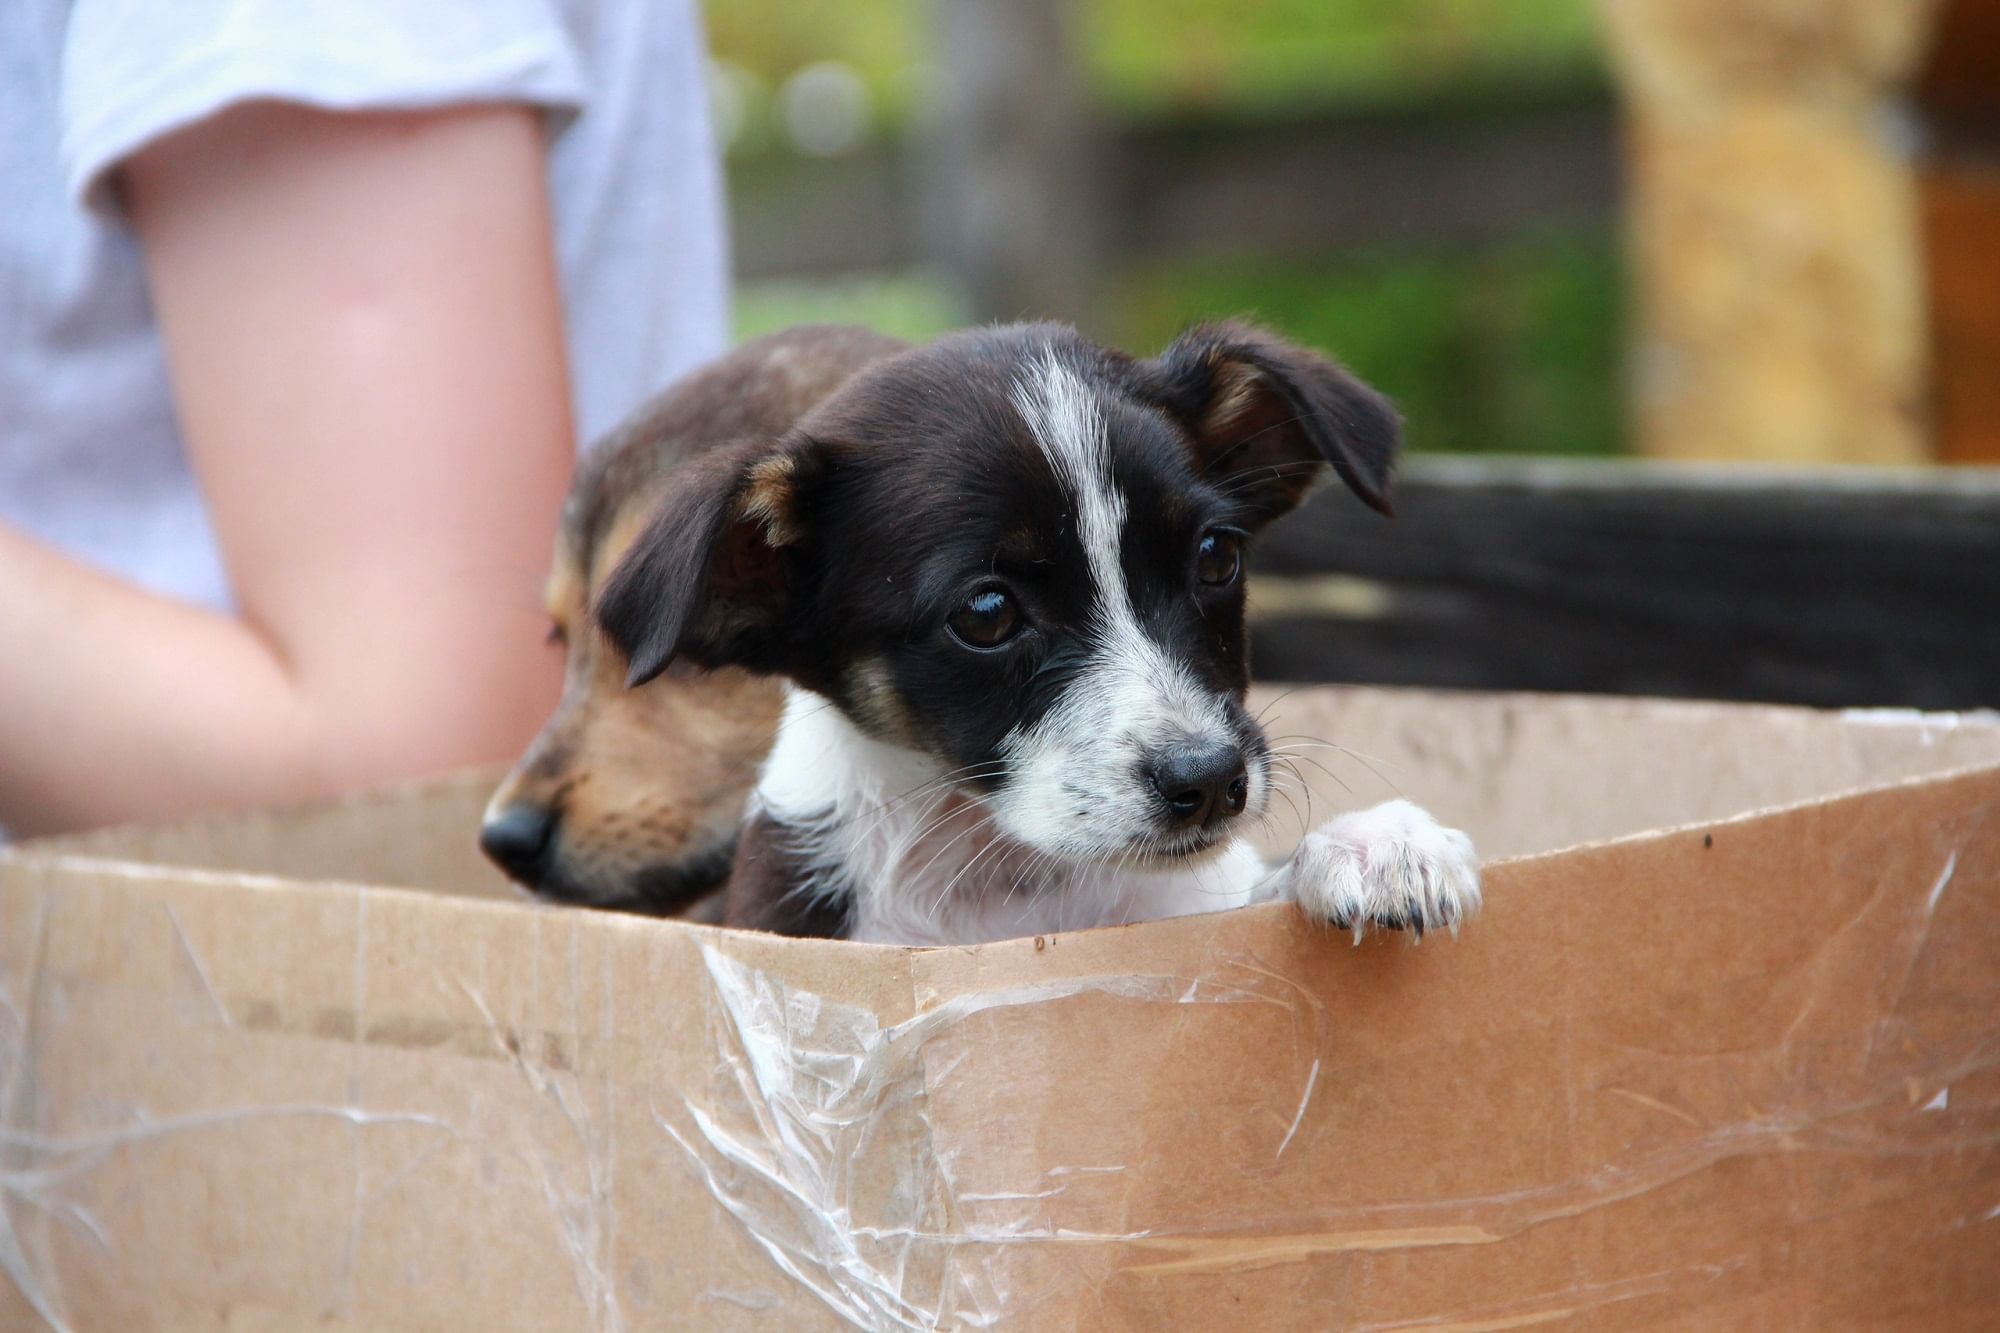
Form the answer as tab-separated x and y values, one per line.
1063	416
1076	773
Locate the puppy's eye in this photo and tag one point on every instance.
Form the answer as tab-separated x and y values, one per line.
1218	558
987	619
558	635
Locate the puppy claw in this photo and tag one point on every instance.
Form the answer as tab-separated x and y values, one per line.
1392	866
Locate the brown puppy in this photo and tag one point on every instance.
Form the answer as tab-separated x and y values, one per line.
631	798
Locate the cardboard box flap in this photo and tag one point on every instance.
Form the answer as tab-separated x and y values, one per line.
1520	772
1744	1075
420	834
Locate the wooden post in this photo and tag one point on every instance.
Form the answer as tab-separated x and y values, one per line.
1010	177
1960	95
1775	227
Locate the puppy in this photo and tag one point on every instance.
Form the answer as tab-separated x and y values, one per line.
1003	575
631	799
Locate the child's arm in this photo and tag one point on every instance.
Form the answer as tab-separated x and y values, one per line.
364	333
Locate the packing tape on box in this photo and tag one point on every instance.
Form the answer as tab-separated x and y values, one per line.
827	1098
825	1091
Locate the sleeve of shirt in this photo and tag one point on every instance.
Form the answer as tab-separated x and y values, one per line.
136	70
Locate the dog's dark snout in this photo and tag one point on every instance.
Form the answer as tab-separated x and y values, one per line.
518	837
1201	782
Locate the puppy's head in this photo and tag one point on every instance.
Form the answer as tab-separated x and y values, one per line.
1024	555
626	798
631	798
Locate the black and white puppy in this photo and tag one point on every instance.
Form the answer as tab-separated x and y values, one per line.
1004	575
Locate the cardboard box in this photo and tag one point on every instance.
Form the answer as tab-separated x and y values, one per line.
1739	1071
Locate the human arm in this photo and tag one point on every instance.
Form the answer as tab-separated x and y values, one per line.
364	334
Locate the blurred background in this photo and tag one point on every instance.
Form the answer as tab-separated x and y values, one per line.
1557	232
1428	187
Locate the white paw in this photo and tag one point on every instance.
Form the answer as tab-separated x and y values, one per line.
1391	866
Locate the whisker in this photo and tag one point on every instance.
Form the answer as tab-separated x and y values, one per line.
1367	761
882	811
1278	789
1370	765
1306	758
1265	711
1305	789
1264	471
976	825
952	883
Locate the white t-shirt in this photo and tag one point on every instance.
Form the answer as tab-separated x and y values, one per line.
90	456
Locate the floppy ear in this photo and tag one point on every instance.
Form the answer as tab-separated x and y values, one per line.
1265	414
709	576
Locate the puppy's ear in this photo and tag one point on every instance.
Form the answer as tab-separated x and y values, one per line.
1265	414
709	577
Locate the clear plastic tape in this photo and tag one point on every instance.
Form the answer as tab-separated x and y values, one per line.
35	1166
815	1096
821	1092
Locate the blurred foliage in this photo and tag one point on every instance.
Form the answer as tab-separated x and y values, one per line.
1153	57
881	40
1286	55
1510	349
915	305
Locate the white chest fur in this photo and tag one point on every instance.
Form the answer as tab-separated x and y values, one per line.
926	862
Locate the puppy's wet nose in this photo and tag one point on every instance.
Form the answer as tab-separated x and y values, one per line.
518	838
1201	783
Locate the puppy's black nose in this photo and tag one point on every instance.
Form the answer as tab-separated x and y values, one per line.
518	838
1201	782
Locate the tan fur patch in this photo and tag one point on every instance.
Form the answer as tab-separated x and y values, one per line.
879	702
769	501
562	591
623	530
1235	387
